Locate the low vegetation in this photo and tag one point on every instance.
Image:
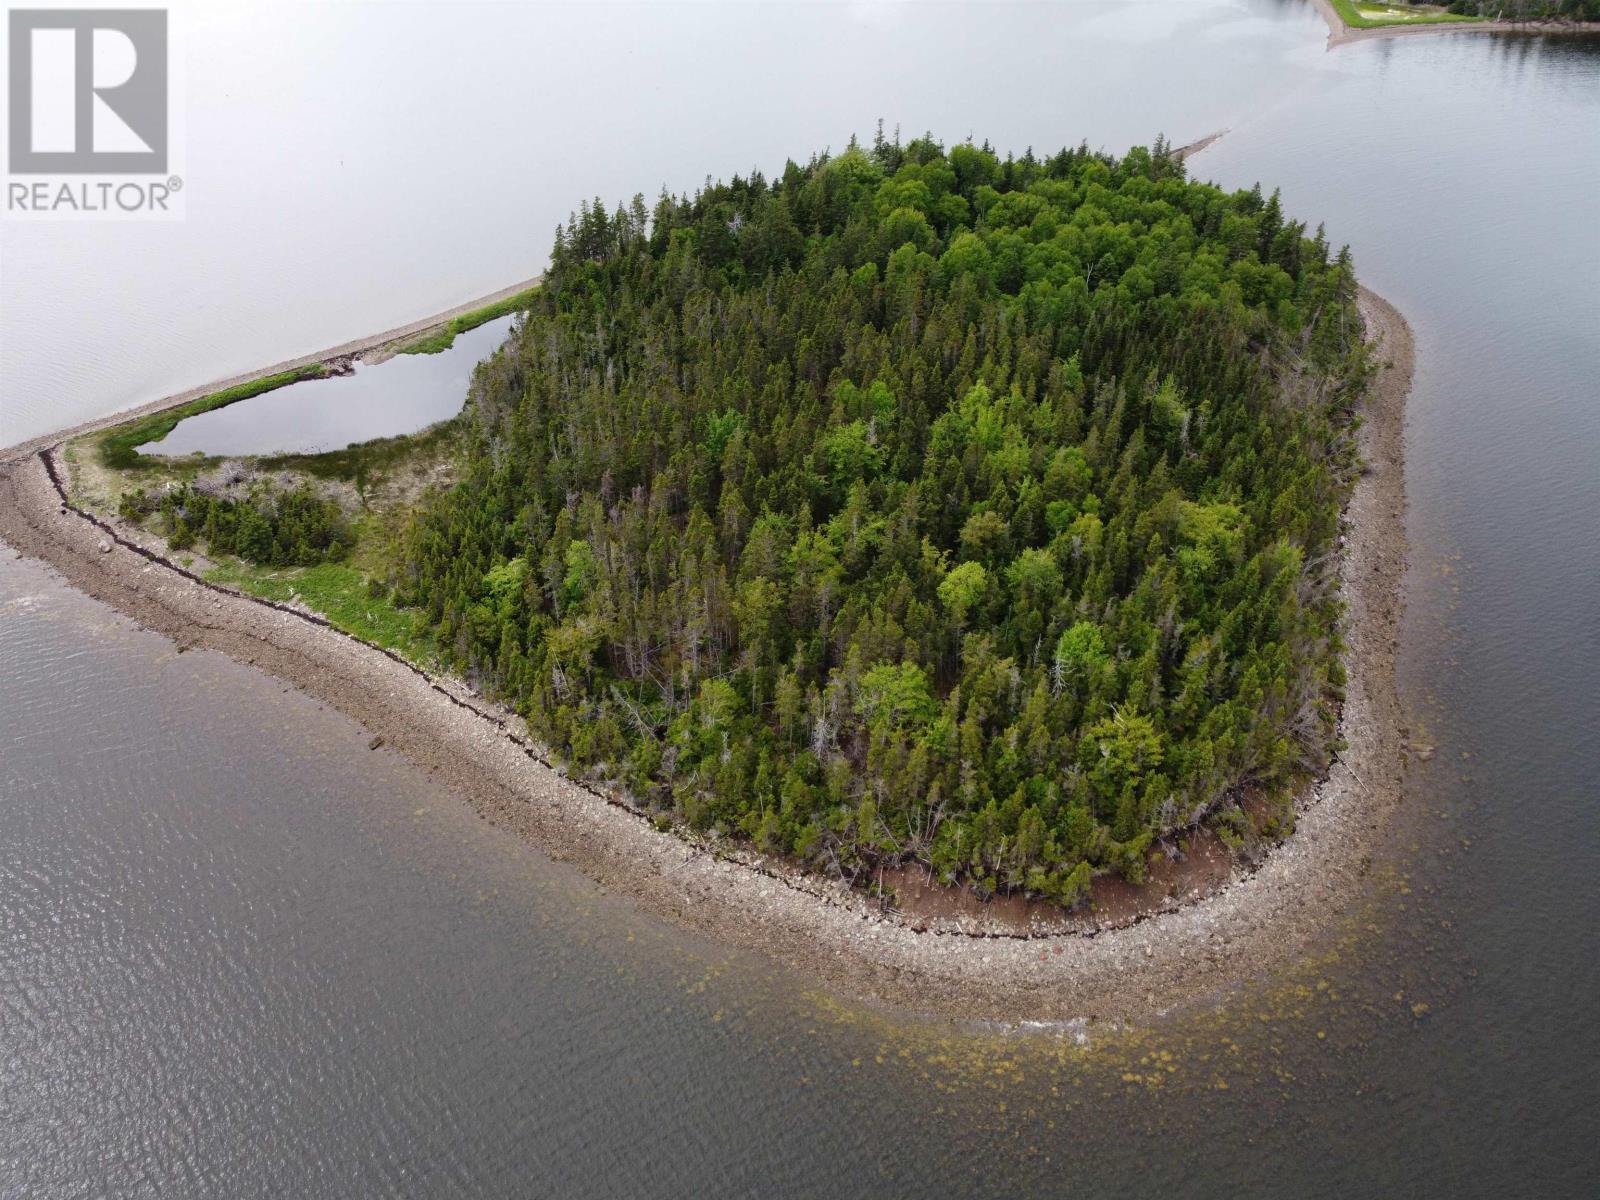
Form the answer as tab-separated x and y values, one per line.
443	338
314	529
1377	16
371	465
293	527
344	594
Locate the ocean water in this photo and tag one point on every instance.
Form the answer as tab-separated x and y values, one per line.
242	955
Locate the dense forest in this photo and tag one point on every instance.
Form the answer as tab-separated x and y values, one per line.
292	527
917	506
1529	10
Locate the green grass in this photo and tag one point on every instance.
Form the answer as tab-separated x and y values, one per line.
1373	16
339	592
119	445
444	338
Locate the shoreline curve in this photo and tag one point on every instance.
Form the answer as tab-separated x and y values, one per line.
1178	957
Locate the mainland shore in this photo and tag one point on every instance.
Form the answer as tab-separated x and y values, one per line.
1339	33
1186	954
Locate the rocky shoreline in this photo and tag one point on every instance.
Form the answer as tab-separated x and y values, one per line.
959	968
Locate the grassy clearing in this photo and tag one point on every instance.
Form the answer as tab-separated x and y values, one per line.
1380	16
445	337
386	473
119	445
367	459
339	592
375	468
367	464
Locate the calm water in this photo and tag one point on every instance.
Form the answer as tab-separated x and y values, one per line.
400	395
242	955
352	167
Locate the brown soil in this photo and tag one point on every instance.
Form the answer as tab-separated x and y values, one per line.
959	963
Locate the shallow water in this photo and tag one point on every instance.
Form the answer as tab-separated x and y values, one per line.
245	955
400	395
242	955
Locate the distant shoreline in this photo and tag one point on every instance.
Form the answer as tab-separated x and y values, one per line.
1339	33
1178	956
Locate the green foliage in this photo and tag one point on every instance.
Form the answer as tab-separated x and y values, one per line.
848	455
1118	752
1529	10
915	506
298	527
504	583
896	696
444	337
342	594
1080	652
1377	15
962	590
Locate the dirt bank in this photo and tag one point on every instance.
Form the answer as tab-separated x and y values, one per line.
1173	959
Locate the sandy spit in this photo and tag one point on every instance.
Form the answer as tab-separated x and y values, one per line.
373	348
1339	33
1173	960
1184	153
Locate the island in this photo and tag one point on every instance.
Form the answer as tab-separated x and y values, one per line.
915	523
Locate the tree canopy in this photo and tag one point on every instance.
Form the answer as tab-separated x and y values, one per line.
278	528
1529	10
916	505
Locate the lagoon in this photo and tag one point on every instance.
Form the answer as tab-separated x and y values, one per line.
402	394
